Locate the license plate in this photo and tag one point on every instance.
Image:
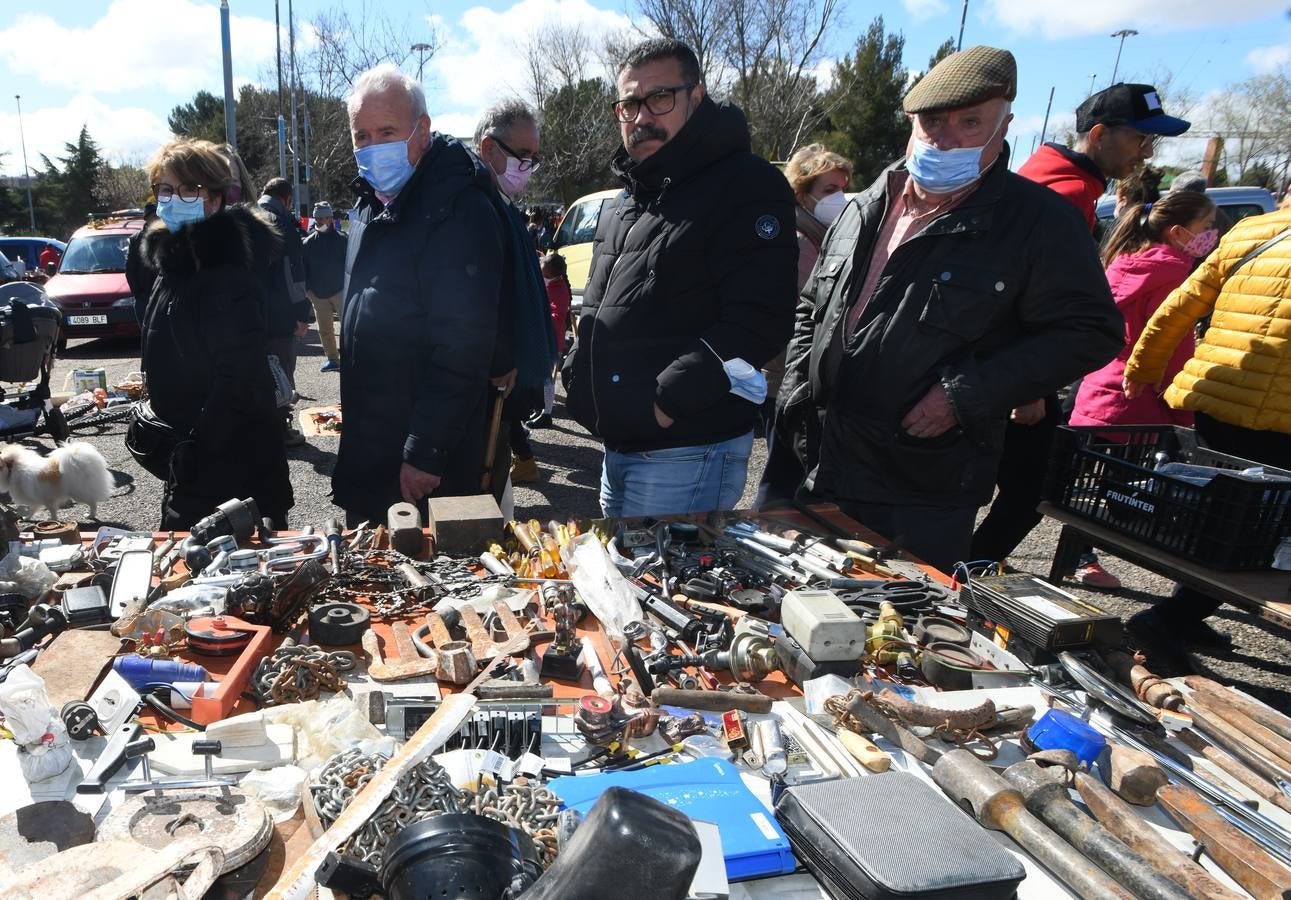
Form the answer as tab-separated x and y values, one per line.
87	320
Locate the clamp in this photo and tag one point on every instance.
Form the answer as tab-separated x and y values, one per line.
206	749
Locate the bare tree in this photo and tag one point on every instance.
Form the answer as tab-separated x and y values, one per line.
123	185
703	25
578	131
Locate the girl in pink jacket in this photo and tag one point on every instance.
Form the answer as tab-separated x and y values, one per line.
1151	251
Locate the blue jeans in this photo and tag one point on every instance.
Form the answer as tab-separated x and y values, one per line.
675	480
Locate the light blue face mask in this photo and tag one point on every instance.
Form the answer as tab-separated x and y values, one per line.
946	171
746	381
385	166
177	213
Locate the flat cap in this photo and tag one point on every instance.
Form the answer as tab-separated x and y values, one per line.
970	76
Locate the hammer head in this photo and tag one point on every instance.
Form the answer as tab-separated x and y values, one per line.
974	787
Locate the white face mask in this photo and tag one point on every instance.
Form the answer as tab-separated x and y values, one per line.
830	207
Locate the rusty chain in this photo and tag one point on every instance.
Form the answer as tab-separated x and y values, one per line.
301	672
425	791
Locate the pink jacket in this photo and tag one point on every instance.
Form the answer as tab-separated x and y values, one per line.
1140	283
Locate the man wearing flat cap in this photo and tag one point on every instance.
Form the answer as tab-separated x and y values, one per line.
325	278
948	293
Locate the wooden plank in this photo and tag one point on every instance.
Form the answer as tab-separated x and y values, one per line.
72	663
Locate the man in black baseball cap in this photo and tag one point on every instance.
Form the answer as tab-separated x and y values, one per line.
1116	130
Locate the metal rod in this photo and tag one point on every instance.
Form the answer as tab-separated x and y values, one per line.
26	173
230	113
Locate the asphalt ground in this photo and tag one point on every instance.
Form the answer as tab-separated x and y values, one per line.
570	463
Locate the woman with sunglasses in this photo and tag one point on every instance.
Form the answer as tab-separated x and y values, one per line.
204	345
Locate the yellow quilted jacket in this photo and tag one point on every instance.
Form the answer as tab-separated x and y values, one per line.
1241	370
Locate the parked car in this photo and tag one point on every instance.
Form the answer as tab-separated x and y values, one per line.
574	240
90	285
1236	202
28	249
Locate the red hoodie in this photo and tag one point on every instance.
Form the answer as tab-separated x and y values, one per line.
1071	174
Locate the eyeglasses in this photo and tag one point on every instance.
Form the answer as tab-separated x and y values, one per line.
1144	141
659	102
527	163
189	193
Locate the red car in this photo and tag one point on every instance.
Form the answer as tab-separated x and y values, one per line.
90	285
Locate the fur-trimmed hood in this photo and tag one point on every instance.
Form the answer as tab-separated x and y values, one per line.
242	236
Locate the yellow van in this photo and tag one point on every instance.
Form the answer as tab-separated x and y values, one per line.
574	239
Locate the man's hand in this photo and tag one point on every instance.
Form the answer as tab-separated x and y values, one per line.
1029	413
1135	389
507	382
664	420
302	329
931	416
415	484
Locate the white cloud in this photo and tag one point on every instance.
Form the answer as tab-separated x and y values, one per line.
823	72
921	10
1057	19
482	59
123	133
171	48
1269	59
457	124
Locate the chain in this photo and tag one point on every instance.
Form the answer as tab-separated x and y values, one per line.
372	576
425	791
299	673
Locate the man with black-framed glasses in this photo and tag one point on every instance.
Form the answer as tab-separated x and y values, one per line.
524	353
691	291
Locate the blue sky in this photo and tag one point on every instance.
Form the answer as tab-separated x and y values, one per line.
120	65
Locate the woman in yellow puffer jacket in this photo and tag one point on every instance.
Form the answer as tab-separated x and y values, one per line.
1237	383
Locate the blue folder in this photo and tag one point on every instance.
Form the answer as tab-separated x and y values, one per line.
709	790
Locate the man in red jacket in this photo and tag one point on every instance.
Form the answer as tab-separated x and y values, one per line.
1115	132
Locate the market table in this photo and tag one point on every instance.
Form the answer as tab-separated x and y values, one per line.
291	840
1265	592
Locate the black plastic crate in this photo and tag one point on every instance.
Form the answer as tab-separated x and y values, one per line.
1107	475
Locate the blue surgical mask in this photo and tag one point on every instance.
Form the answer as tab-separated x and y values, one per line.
177	213
385	166
946	171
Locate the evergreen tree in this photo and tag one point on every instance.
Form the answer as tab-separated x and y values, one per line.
865	121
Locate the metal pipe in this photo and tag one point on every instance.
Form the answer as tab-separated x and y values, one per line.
230	114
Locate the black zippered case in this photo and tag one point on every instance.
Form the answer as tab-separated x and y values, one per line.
893	836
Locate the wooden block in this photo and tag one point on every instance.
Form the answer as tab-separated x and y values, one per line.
174	753
72	663
1134	776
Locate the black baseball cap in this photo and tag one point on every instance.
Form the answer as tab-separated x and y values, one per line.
1136	105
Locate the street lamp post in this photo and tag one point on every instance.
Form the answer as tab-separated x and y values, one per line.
421	50
1092	76
963	16
1122	34
26	173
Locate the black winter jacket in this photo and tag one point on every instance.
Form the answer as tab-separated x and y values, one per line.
1000	300
205	361
700	248
286	281
422	283
324	254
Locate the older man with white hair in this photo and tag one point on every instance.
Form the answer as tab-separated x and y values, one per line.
423	273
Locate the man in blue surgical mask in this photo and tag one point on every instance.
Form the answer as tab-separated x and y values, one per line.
978	292
421	293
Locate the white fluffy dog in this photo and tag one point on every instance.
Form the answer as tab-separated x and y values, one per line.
72	472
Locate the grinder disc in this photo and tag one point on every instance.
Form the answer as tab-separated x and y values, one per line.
234	821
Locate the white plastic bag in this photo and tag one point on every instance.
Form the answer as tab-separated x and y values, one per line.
279	789
602	587
25	575
44	750
323	728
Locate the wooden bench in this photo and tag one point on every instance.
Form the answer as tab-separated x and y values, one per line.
1266	592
